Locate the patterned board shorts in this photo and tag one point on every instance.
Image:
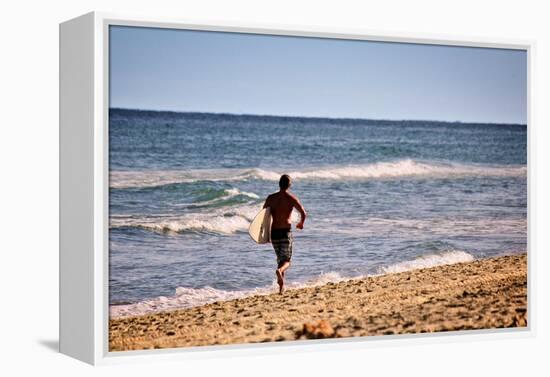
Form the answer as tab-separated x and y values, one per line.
281	239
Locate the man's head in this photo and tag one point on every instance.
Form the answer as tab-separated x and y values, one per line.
284	182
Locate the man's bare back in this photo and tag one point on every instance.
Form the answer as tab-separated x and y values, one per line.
282	203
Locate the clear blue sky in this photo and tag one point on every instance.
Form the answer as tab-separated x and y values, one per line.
181	70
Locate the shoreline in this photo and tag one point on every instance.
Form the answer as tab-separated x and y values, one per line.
482	294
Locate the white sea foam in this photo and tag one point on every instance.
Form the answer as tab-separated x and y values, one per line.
379	170
221	222
190	297
183	298
427	261
404	168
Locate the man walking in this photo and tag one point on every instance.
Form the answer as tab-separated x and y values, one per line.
281	204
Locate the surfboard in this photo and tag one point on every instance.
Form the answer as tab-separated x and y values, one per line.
260	228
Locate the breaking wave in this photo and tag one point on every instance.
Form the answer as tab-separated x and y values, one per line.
224	221
226	196
220	222
378	170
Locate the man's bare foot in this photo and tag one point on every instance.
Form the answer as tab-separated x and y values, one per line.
280	280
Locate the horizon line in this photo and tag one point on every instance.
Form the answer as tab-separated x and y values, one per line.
319	117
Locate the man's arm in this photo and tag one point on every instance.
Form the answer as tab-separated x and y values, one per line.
302	211
266	204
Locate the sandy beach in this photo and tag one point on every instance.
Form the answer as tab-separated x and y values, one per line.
488	293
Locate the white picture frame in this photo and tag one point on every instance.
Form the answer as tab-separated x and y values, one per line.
84	105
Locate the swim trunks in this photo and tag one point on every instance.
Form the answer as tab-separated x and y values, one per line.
281	239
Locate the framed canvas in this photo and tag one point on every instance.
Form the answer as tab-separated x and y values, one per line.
235	188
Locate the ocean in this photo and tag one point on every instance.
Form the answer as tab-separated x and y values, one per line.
381	196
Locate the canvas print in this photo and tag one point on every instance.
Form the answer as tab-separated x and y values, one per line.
269	188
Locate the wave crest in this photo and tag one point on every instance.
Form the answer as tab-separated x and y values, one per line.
224	223
378	170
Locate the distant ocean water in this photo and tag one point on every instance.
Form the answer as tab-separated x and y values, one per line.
381	196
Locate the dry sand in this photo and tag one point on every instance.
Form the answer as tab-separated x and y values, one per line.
489	293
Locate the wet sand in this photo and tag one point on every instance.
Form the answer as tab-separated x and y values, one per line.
489	293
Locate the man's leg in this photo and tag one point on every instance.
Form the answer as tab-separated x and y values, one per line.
280	272
283	249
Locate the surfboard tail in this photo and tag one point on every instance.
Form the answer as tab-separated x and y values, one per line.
260	228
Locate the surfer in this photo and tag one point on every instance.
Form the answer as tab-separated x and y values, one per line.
281	204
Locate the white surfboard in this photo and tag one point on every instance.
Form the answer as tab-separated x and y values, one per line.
260	229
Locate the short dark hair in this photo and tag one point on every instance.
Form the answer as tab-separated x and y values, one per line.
284	182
